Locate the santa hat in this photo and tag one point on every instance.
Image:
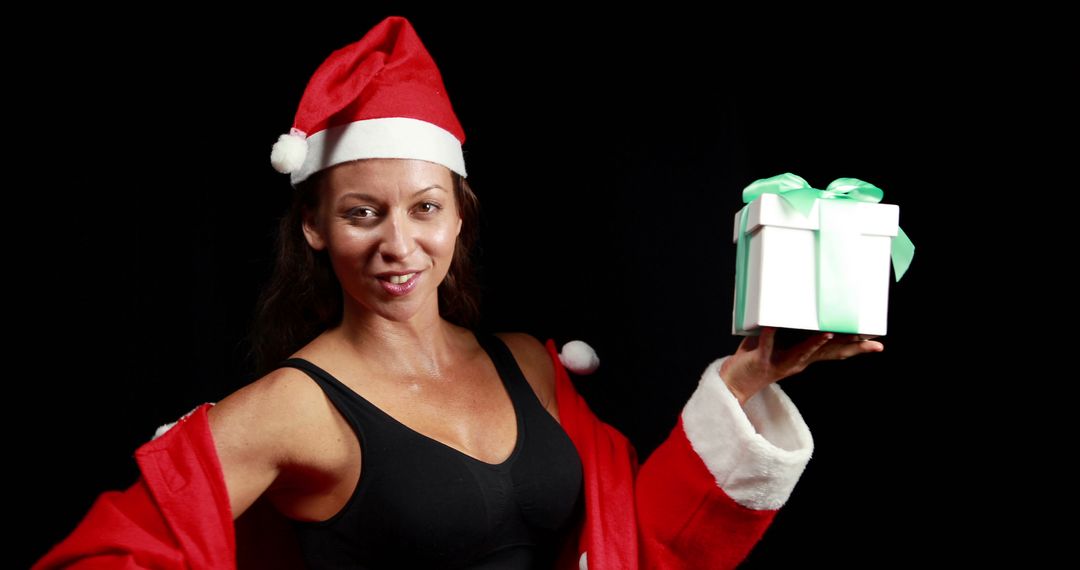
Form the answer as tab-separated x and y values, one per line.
381	97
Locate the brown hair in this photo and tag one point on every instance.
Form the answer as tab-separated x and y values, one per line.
303	297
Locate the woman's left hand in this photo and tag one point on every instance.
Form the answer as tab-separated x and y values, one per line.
758	362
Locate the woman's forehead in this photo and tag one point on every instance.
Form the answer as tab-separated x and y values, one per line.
388	176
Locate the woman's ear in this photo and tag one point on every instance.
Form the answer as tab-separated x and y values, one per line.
313	231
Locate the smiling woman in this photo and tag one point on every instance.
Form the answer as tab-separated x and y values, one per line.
387	231
385	431
305	293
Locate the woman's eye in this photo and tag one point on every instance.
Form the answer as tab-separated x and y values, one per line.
428	207
361	213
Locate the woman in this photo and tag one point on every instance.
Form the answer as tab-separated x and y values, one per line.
390	432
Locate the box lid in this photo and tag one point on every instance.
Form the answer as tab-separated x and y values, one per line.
772	210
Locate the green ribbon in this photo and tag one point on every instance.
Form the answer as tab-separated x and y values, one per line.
837	235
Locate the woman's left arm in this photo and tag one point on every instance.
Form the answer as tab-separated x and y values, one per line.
707	494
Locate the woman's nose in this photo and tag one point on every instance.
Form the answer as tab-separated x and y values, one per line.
396	240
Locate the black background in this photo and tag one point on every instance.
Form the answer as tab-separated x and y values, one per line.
609	154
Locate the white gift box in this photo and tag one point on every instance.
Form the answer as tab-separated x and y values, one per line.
782	269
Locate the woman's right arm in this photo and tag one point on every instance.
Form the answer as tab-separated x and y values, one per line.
196	478
255	431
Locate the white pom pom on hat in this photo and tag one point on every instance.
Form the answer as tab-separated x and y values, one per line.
380	97
289	152
579	358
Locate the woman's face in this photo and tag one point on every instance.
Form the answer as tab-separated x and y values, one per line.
381	218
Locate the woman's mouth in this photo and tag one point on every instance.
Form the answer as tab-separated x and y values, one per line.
399	284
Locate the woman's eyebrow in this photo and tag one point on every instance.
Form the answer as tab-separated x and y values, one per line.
364	196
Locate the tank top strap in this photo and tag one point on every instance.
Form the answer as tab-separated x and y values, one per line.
507	366
343	397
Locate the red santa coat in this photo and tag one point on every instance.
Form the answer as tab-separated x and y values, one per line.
702	499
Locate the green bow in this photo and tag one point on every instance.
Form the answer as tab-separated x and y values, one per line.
837	300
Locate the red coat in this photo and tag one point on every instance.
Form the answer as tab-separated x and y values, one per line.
701	500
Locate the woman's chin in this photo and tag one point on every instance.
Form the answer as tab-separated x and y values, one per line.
395	309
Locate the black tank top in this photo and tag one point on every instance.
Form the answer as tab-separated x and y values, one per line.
420	503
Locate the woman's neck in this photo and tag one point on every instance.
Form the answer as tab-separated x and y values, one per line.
423	346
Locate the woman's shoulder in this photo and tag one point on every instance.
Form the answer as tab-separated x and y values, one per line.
277	395
525	345
274	415
535	362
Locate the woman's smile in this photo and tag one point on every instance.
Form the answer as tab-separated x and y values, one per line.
399	285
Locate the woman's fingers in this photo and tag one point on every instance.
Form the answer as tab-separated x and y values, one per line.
768	338
772	362
842	350
809	347
817	346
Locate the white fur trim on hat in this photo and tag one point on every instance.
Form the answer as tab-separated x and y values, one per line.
756	452
389	137
579	357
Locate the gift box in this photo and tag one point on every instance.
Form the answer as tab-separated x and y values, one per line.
816	259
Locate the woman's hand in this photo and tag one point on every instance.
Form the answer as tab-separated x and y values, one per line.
759	361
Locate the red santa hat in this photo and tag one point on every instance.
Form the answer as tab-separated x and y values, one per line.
380	97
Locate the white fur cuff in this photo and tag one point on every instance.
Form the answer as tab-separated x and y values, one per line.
166	427
756	452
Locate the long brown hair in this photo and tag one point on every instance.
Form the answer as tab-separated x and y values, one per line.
303	297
